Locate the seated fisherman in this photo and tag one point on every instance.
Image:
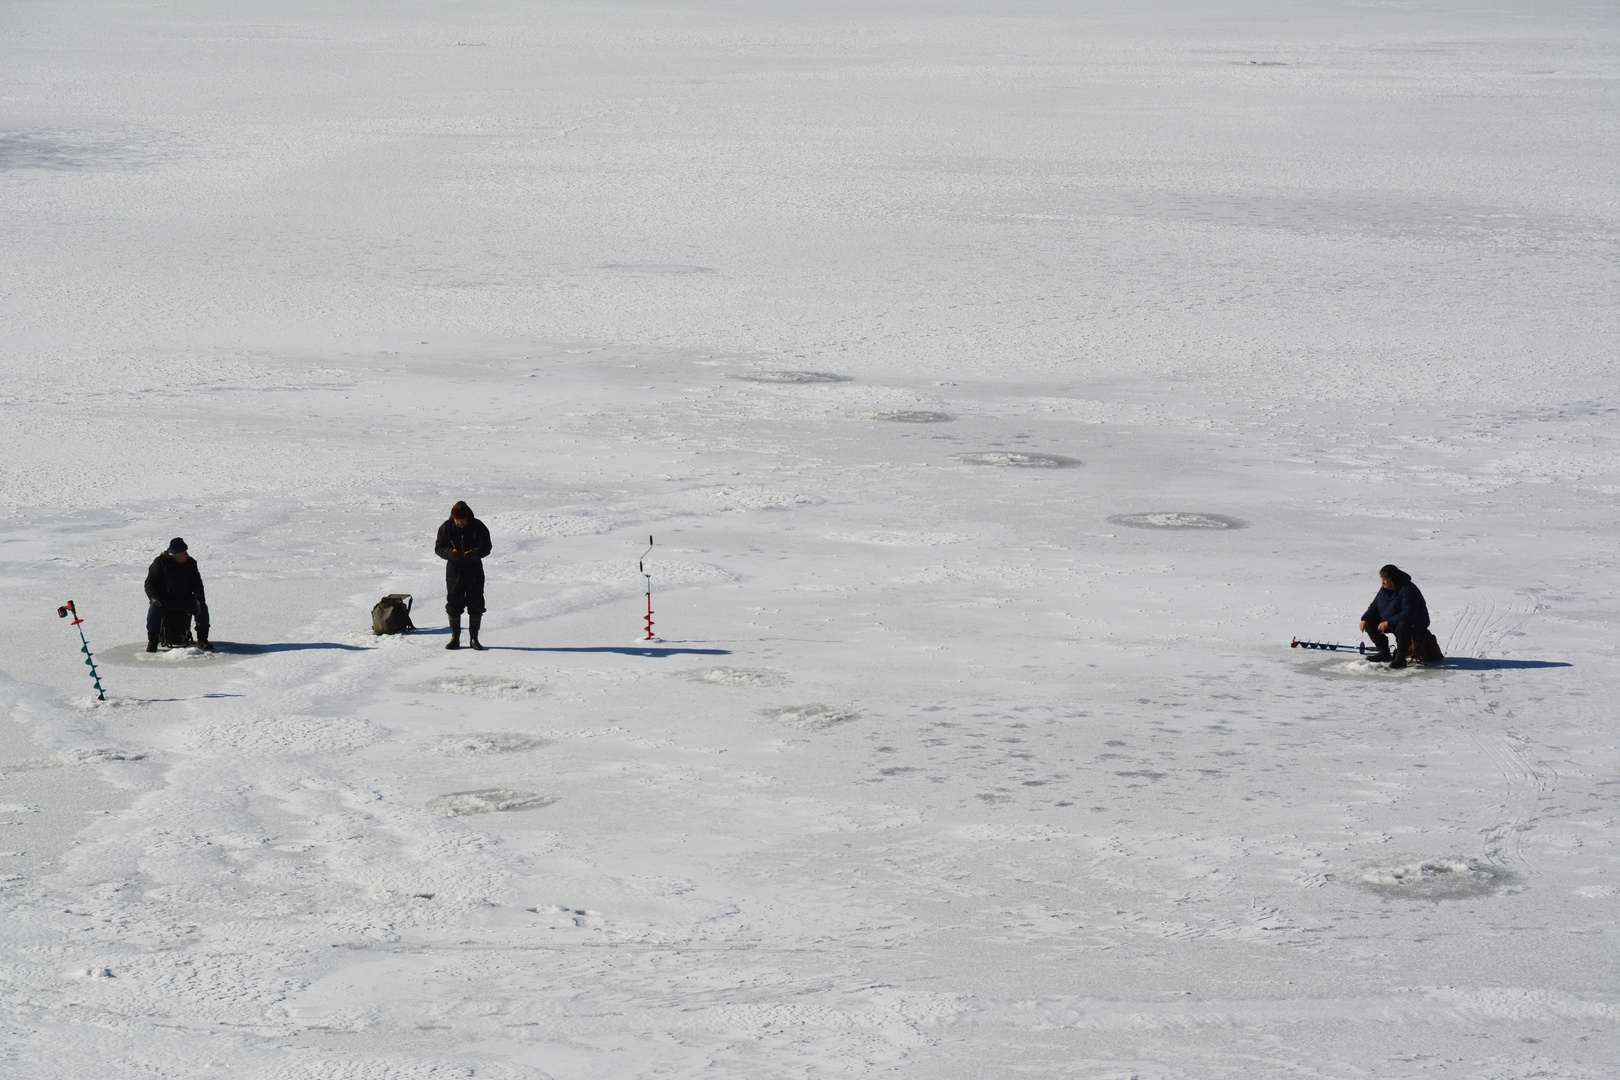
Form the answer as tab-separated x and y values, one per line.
173	582
1397	609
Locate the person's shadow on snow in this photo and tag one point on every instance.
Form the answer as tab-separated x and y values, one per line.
242	648
1481	663
622	650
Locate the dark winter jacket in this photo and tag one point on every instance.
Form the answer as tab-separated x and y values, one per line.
174	584
472	540
1403	604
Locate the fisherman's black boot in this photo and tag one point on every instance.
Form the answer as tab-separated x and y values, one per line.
472	631
151	644
205	645
455	633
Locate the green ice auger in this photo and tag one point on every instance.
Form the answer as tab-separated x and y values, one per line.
84	646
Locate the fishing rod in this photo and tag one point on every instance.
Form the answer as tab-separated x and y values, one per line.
84	645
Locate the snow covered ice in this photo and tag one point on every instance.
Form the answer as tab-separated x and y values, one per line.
944	349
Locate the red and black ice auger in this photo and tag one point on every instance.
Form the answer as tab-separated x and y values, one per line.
1329	646
641	565
84	645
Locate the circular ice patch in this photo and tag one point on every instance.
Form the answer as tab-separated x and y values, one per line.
487	801
910	416
1434	879
1350	665
134	655
486	742
737	676
657	268
1012	459
791	377
1167	519
492	687
812	717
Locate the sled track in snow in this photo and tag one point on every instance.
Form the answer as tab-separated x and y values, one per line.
1528	779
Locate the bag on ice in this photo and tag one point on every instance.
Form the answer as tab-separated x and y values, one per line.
392	615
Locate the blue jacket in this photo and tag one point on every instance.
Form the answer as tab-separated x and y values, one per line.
1403	604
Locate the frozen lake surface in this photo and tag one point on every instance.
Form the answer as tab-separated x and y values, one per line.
1004	385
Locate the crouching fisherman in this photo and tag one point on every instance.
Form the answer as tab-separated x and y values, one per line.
1399	609
173	583
463	543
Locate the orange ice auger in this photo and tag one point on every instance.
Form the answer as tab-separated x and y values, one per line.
642	566
84	645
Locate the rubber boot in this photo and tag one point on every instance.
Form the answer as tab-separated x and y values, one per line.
455	633
151	644
205	645
472	630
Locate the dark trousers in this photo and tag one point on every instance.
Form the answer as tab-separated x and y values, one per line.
1403	637
465	592
198	609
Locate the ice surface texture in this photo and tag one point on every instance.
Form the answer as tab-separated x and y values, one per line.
735	676
486	742
289	280
812	717
1177	520
487	801
910	416
492	687
1015	459
791	377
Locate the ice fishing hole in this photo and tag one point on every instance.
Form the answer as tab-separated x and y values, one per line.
909	416
1176	519
656	268
487	801
737	676
491	687
1003	459
811	717
1351	665
1432	879
791	377
486	742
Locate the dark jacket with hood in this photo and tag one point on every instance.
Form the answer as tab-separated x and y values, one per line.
472	541
1402	604
174	584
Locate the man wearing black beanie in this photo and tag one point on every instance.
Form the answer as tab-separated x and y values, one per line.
463	543
174	582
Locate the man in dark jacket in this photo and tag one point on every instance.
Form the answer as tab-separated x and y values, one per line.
1397	609
174	582
463	542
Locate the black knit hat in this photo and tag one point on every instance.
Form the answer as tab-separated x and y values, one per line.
176	546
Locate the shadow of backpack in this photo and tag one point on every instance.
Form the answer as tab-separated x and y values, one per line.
392	615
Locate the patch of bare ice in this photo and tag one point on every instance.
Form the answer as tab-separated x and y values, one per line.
1432	879
487	801
791	377
486	742
735	676
811	717
1014	459
1163	519
490	687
